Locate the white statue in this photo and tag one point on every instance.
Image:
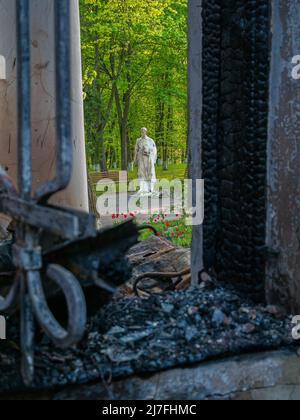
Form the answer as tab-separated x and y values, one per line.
145	159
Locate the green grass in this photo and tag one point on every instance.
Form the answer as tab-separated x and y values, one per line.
176	171
175	231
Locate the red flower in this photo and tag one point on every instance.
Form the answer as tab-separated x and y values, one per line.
177	229
168	224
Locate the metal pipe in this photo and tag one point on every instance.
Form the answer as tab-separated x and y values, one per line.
24	121
63	103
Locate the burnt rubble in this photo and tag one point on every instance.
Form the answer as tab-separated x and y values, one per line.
235	114
224	316
142	336
99	262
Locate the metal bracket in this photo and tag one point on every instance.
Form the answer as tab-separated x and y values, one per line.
27	259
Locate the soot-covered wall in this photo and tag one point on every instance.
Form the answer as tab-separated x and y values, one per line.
235	115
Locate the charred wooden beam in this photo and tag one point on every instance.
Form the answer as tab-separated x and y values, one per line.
236	36
250	146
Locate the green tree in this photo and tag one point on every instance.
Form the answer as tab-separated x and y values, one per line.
134	58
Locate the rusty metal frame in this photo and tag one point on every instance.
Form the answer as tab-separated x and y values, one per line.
30	210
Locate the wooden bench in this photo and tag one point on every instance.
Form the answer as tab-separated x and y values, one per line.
95	177
186	174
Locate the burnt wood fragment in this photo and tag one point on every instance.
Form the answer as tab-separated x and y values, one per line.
99	263
158	266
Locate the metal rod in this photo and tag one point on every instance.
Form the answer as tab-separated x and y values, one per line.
63	91
63	103
77	312
27	332
24	127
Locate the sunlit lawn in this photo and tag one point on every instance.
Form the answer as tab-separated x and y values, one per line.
173	229
176	171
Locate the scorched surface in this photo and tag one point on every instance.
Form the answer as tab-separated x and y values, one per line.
135	336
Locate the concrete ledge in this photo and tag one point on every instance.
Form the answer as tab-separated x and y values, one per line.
263	376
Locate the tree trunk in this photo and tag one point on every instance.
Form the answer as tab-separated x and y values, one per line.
169	134
103	111
159	126
123	108
102	152
124	160
123	115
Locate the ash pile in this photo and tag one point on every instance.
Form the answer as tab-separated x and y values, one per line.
160	330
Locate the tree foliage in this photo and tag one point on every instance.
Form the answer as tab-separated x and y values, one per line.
134	64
